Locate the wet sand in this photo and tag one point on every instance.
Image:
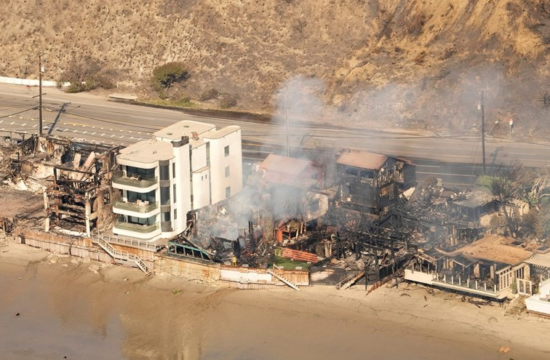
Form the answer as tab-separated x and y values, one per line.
117	313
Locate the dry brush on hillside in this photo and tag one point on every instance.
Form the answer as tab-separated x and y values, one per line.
393	62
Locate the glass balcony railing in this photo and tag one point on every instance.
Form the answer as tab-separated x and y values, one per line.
138	206
136	227
140	181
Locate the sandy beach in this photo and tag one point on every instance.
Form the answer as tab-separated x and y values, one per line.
69	308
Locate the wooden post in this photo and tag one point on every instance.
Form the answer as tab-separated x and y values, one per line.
88	213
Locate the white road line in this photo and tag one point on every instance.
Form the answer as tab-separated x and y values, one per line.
112	136
1	121
84	132
24	124
421	147
13	122
93	133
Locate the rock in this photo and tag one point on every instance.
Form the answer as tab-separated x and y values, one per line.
54	260
86	260
94	268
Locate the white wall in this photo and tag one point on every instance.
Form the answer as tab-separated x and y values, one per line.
183	186
198	156
418	276
236	275
29	82
218	163
201	188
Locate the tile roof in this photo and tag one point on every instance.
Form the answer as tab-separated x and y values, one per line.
362	159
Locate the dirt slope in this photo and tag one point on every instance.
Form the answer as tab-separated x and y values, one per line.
406	63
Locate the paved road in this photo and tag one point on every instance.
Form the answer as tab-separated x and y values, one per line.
94	118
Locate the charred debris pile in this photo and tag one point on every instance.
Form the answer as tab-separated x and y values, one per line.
350	215
69	180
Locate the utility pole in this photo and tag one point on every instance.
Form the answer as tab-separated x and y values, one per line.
287	151
482	108
40	94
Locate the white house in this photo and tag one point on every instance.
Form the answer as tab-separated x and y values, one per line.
540	303
186	166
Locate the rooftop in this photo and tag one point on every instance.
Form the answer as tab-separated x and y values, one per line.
183	128
283	164
362	159
288	171
222	132
495	248
479	196
147	152
539	259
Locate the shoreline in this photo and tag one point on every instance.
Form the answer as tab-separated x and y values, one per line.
138	317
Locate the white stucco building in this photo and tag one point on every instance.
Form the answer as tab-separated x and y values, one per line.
186	166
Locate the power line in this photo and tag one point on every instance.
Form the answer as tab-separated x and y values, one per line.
19	112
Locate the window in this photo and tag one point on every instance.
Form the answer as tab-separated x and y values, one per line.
226	151
165	196
166	216
228	191
173	170
175	214
227	171
164	172
174	192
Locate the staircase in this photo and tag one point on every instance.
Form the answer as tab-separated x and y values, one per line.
284	280
349	281
122	256
345	280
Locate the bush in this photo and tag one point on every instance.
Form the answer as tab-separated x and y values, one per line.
87	73
209	94
165	75
228	101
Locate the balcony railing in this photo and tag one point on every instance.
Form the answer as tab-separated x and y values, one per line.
138	206
134	180
136	227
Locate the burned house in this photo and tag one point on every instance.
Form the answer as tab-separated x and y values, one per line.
81	194
295	187
489	267
470	212
370	182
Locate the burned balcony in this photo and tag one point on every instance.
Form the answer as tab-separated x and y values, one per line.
134	180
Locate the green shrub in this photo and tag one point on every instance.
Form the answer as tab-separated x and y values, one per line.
166	75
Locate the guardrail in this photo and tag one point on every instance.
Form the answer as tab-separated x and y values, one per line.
135	206
141	182
144	229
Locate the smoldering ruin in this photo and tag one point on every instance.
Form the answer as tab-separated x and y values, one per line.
355	217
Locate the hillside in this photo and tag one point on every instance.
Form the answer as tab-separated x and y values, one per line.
392	62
